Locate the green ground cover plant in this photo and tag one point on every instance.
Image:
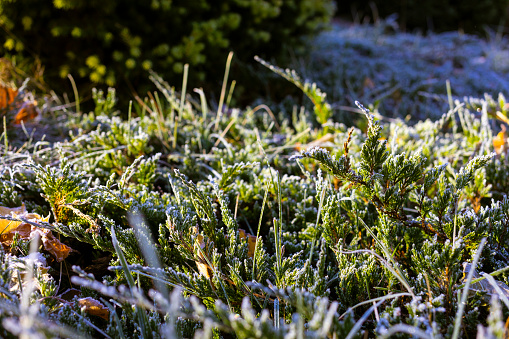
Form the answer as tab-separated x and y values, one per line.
192	220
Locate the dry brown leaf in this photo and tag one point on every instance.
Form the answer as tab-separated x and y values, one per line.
202	265
94	307
251	242
7	96
53	245
20	264
25	230
9	210
26	110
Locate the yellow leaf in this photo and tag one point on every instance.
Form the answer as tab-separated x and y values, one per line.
7	225
500	116
202	265
204	270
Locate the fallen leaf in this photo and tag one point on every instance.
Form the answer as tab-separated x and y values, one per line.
9	228
26	109
7	225
20	264
9	210
202	265
94	307
7	96
499	140
251	242
52	245
204	269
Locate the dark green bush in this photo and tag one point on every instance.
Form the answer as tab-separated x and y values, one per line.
472	16
116	42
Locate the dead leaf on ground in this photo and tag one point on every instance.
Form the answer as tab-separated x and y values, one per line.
26	108
9	228
7	225
201	247
251	242
94	307
202	265
500	141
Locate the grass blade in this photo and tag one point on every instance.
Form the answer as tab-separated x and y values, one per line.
142	317
223	90
464	294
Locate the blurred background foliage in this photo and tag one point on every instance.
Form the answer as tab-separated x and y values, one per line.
116	42
471	16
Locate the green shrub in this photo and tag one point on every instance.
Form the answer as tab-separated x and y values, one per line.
114	42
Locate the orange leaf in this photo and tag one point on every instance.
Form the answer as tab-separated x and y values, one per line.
25	230
7	96
499	140
251	242
27	111
94	307
53	245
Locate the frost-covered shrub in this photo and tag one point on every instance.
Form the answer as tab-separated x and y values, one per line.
185	222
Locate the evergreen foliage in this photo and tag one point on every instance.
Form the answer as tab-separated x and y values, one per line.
235	231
